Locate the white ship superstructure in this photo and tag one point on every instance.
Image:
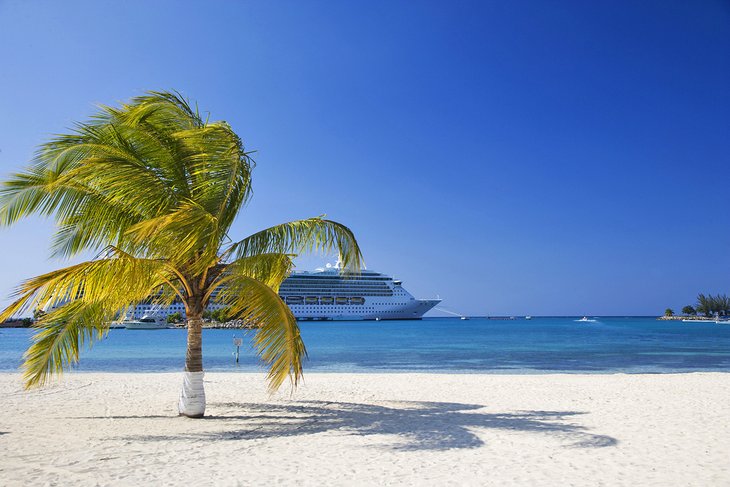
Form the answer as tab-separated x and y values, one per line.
333	294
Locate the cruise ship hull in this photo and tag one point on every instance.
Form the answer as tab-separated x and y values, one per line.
414	311
411	311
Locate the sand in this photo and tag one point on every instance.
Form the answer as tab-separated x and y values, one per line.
371	429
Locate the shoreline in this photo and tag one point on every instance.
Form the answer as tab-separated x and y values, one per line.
239	324
680	318
252	370
394	429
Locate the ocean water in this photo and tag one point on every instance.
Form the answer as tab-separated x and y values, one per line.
540	345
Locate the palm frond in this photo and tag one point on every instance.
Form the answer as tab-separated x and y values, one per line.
34	191
185	234
83	299
270	269
219	169
310	235
277	339
60	338
119	282
135	163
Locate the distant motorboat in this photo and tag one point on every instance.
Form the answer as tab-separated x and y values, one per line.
585	319
147	323
528	317
464	318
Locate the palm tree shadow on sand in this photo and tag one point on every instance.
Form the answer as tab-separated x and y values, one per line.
413	425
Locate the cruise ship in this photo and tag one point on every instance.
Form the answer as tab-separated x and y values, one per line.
332	294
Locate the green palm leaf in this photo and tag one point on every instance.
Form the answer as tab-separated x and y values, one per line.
84	299
60	338
310	235
270	269
119	281
277	339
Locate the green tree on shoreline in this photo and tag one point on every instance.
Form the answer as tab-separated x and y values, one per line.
221	315
711	305
689	310
154	189
174	318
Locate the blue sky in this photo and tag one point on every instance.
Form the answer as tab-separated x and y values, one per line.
512	157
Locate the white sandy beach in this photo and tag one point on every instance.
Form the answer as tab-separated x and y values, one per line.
371	429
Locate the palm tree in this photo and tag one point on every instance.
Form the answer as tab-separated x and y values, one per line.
689	310
152	189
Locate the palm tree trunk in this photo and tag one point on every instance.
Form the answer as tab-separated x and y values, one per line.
194	354
192	396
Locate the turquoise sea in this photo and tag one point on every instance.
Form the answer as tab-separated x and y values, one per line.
539	345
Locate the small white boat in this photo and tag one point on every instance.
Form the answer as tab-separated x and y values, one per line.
464	318
528	317
585	319
147	323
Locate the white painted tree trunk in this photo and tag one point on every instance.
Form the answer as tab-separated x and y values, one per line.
192	396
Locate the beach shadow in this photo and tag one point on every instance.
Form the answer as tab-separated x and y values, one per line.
145	416
411	425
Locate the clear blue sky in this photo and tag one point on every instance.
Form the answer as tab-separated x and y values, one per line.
513	157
